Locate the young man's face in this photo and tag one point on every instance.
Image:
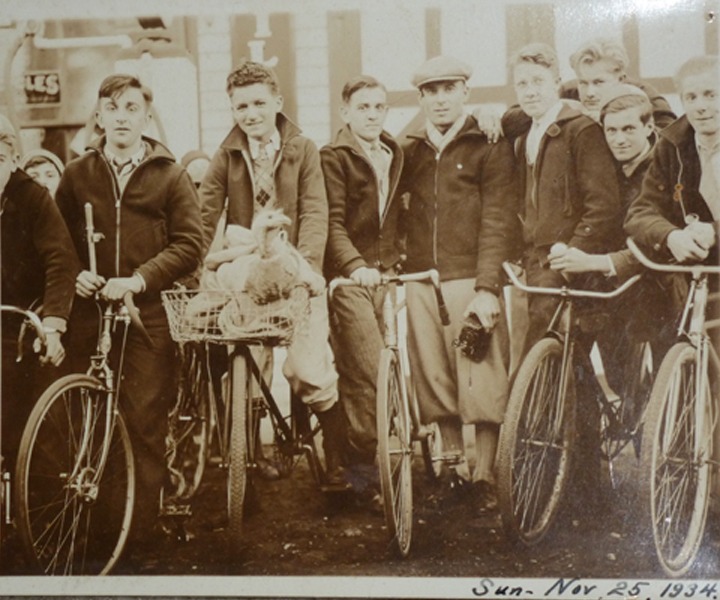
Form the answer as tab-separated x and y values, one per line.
443	102
593	79
46	175
537	88
254	108
626	134
124	118
699	96
365	112
8	164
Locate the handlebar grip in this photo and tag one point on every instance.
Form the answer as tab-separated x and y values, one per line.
442	309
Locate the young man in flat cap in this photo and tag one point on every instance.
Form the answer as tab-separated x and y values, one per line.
461	221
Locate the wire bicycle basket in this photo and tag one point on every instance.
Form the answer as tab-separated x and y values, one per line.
230	316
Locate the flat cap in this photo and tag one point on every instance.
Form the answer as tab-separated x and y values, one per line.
621	89
441	68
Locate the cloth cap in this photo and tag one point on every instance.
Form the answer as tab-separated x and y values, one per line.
441	68
46	154
619	90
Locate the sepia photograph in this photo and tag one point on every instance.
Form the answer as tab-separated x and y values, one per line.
360	299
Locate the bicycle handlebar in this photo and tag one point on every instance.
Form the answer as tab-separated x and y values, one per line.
431	275
695	270
565	291
31	318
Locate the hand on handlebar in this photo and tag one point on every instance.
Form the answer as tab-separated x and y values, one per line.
117	288
684	246
574	260
88	283
54	350
366	277
486	307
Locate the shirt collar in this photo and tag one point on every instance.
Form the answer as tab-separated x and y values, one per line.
630	166
549	117
702	147
271	147
134	159
440	140
367	147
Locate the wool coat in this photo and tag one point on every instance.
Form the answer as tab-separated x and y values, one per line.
299	189
359	236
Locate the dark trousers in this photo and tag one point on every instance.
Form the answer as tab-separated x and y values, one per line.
146	395
357	340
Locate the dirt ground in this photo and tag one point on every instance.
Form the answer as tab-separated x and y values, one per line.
292	528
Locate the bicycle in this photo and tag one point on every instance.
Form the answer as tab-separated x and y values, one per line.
536	444
32	320
677	459
235	321
75	480
397	413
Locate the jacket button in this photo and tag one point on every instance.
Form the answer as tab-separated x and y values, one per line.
657	247
380	237
587	229
459	166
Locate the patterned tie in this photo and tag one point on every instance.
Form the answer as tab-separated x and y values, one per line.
381	163
264	182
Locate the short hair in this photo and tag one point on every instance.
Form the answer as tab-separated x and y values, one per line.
10	140
115	85
249	73
695	66
601	49
359	83
621	103
537	54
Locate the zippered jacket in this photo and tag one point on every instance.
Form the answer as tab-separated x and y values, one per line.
153	227
359	236
671	184
462	216
299	188
575	195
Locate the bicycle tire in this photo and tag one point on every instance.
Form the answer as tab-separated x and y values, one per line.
535	445
69	524
237	460
188	438
394	451
669	462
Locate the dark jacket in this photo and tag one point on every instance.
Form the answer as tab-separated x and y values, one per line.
298	184
515	122
626	265
159	233
38	259
575	188
358	235
671	183
463	205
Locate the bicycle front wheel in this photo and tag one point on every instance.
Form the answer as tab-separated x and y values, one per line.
240	407
394	451
675	460
535	444
74	507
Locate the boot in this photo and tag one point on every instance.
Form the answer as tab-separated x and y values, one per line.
331	423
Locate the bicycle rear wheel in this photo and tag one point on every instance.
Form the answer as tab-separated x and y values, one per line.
240	421
189	424
394	451
73	511
675	460
535	444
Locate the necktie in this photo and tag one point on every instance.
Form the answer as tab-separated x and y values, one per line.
381	163
263	173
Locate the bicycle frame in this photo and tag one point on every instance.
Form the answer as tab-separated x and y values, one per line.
693	324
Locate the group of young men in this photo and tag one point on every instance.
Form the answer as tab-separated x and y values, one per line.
574	163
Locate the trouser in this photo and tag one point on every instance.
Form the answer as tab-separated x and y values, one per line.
149	382
357	338
451	389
